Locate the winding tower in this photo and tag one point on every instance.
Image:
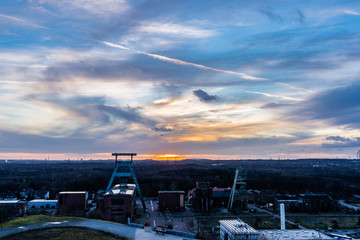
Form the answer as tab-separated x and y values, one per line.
124	171
238	190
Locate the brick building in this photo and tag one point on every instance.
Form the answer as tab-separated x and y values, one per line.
72	203
118	204
220	197
13	208
171	201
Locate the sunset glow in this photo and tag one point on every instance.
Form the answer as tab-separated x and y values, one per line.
168	157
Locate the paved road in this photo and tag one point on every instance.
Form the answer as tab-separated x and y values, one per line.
115	228
179	220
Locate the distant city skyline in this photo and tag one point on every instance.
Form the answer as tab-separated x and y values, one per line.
201	79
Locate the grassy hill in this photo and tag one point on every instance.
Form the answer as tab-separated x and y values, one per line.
64	233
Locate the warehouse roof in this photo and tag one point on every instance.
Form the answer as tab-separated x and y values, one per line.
43	201
122	189
9	201
236	227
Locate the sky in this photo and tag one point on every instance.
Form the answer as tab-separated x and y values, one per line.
202	79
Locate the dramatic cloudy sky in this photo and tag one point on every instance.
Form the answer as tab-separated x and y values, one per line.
216	79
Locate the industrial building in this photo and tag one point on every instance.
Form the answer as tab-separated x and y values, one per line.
171	201
236	230
220	197
14	207
118	204
292	235
42	204
202	197
308	202
72	203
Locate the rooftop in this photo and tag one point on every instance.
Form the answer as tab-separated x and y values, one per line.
42	200
118	189
9	201
171	192
293	234
238	227
221	189
73	192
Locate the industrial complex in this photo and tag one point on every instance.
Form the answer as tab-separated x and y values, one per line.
179	212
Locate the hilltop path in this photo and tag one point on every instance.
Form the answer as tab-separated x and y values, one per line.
115	228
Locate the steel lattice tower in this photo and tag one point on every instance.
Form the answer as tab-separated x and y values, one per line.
238	188
125	171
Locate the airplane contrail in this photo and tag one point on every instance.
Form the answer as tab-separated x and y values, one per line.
293	87
180	62
277	96
22	21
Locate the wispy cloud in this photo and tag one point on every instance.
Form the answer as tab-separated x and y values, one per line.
294	87
180	62
300	17
172	29
129	114
22	21
98	7
277	96
341	142
271	15
351	12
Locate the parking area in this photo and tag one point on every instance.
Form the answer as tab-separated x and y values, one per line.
180	221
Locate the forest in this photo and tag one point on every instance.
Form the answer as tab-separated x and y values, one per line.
336	177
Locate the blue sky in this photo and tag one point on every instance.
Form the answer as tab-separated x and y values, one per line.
214	79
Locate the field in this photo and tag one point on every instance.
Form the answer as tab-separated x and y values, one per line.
325	222
262	222
64	233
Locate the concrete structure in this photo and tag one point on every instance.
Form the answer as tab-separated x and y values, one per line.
14	207
72	203
292	235
118	204
282	216
171	201
42	204
236	230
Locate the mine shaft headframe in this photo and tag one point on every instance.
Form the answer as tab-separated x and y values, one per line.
123	154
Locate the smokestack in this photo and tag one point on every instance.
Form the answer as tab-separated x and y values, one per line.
282	216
